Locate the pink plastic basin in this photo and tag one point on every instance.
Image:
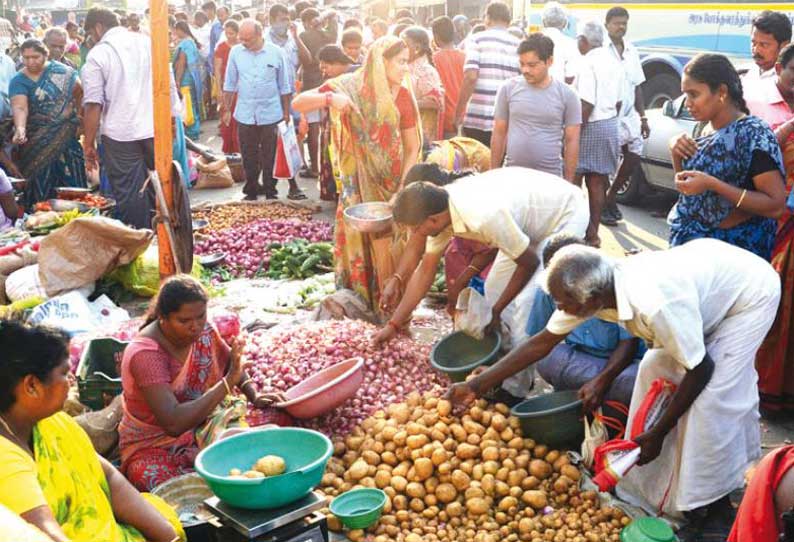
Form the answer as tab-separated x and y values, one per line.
325	390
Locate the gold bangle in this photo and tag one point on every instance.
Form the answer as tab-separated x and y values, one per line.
477	271
399	277
226	384
741	199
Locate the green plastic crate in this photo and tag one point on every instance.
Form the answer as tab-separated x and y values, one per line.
98	373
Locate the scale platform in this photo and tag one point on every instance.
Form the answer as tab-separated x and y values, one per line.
296	521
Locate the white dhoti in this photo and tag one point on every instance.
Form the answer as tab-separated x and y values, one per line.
704	458
516	314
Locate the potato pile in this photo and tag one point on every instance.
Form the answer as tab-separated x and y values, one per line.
469	479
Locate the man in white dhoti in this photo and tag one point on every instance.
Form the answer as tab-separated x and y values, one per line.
512	209
703	308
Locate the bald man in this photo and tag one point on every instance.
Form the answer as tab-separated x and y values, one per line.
258	74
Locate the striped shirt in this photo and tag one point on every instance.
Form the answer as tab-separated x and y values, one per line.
494	54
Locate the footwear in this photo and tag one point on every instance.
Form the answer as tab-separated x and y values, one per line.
272	195
616	213
296	195
608	219
308	174
249	197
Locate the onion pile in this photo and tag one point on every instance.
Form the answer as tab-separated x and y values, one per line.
246	247
230	215
285	358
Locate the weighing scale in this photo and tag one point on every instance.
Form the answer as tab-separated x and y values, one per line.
299	521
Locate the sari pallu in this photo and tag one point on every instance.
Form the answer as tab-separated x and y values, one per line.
727	155
194	79
150	456
75	486
367	157
52	157
775	359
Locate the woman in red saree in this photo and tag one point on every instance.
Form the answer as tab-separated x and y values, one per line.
177	378
231	144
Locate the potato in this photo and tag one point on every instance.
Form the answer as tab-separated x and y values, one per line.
490	453
356	535
562	484
467	451
358	470
253	474
535	499
238	472
454	509
552	456
270	465
540	451
446	493
424	468
416	441
477	506
382	479
438	456
460	480
334	523
399	483
507	503
499	422
415	490
539	468
571	472
562	460
371	457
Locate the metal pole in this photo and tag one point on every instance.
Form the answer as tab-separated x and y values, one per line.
163	138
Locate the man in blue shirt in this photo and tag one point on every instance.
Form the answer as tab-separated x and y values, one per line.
257	72
593	355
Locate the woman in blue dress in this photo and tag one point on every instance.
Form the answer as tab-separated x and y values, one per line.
45	100
731	181
188	73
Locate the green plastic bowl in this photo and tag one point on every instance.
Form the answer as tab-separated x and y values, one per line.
554	418
359	508
305	452
647	530
458	354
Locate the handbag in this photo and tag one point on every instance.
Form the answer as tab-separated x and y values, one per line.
187	102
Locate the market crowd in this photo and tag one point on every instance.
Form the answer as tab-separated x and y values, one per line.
484	139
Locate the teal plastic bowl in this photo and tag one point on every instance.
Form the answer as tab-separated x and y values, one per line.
458	354
305	452
554	418
359	508
647	530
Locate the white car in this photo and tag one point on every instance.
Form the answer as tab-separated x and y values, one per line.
656	169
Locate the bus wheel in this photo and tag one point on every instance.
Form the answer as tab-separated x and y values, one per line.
659	88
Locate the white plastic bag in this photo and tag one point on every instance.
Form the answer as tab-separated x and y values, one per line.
73	313
595	434
288	144
472	313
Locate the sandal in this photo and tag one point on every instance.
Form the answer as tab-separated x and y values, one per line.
608	218
296	196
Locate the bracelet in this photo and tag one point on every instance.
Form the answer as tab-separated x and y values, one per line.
399	278
226	384
741	199
477	271
242	384
329	96
644	119
392	324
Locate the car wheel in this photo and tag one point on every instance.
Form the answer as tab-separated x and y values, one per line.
660	88
631	193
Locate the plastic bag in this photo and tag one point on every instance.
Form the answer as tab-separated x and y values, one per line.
288	155
595	434
187	101
472	313
85	249
73	313
24	283
142	276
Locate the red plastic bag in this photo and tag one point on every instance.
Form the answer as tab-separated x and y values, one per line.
653	406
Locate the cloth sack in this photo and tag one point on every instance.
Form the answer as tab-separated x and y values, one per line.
288	155
213	174
86	249
102	426
472	313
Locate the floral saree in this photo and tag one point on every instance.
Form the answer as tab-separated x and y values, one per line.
427	86
366	155
150	456
52	157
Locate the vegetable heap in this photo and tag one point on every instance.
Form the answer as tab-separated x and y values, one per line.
230	215
246	246
298	259
473	478
282	359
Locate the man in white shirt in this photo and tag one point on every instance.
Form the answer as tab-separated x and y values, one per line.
600	87
771	33
566	53
633	126
512	209
117	90
703	309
